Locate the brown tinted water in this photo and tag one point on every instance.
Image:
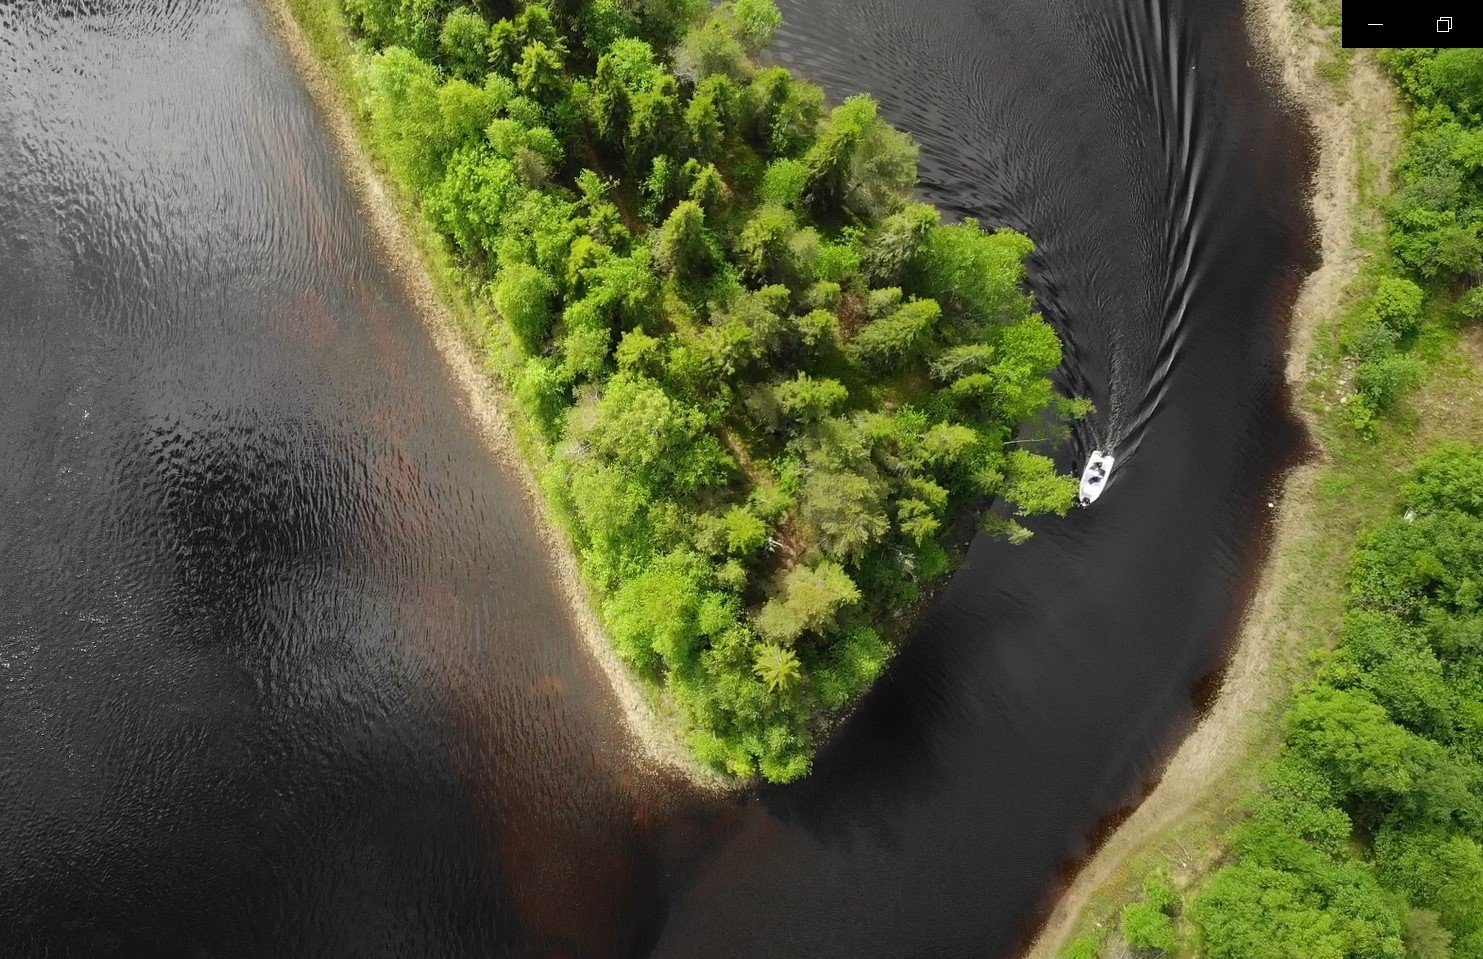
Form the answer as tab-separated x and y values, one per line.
283	668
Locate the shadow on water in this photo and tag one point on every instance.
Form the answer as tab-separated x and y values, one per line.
283	670
283	666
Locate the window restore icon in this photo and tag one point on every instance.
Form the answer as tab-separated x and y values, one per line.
1444	24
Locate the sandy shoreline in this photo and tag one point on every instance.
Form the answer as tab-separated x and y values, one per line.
1248	691
656	741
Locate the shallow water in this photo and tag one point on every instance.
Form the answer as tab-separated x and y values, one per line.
283	667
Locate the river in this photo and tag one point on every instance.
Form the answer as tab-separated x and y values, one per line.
283	667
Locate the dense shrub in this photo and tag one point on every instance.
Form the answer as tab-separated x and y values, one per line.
1149	925
1367	840
1435	227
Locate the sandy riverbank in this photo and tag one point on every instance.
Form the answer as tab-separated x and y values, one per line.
655	738
1346	121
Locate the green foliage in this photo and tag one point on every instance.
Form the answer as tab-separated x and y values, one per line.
1383	381
1034	486
785	112
783	184
772	390
1447	481
777	666
1261	912
809	601
658	442
408	23
1368	838
1082	948
1397	304
746	534
892	341
464	43
724	42
684	246
859	165
1425	937
1434	230
523	297
539	73
654	615
808	400
541	390
1145	926
757	20
1149	925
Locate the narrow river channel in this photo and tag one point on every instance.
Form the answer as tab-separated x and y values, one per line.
284	670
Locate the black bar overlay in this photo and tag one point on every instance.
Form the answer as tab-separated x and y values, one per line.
1401	23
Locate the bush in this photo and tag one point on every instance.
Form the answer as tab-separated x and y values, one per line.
1145	926
1397	304
1385	380
542	393
1447	480
523	297
464	43
1083	948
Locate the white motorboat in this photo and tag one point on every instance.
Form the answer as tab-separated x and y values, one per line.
1094	477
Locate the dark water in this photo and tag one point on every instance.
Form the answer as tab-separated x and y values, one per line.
282	670
1162	183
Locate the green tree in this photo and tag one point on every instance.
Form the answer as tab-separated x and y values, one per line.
805	399
843	495
757	20
1258	912
860	166
1145	926
896	245
540	72
654	615
1084	947
712	118
811	599
464	43
785	112
523	297
777	666
1448	479
1149	924
473	199
976	274
1034	486
603	23
684	246
1397	302
655	440
746	534
891	342
715	45
1437	870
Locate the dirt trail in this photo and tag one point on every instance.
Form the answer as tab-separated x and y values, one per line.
1346	123
654	737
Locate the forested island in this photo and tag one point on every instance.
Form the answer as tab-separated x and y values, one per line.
768	393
